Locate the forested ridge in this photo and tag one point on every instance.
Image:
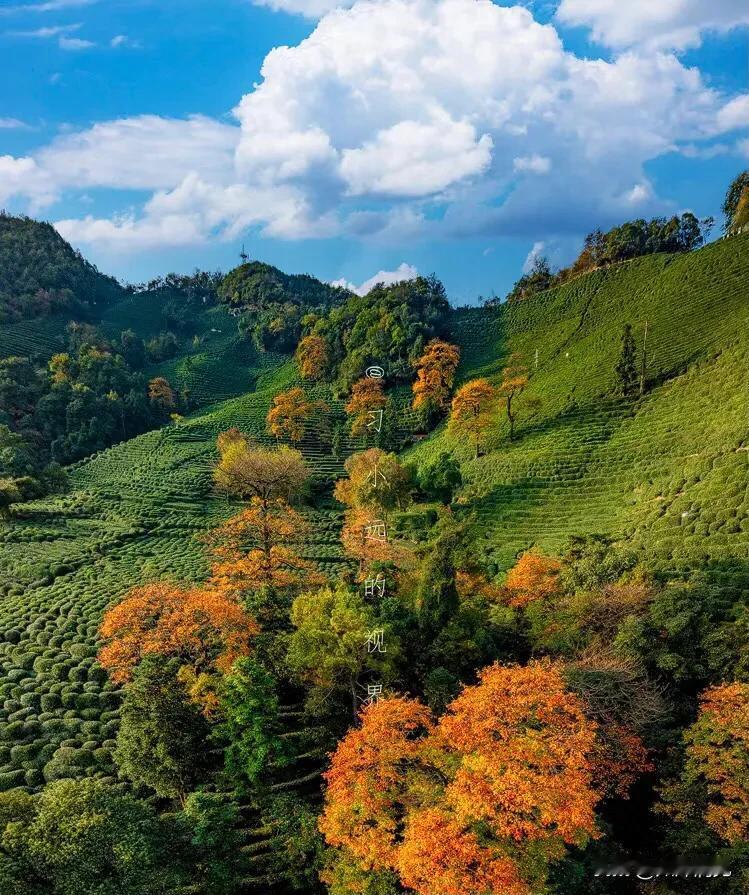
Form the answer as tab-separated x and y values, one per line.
380	596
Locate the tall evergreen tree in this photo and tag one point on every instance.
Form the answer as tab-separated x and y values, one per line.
626	367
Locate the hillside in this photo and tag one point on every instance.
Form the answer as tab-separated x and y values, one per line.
40	274
665	473
255	284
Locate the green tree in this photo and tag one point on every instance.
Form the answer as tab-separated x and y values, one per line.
249	723
437	596
441	477
626	366
18	873
537	279
9	494
15	454
331	648
211	822
735	191
300	844
161	741
87	837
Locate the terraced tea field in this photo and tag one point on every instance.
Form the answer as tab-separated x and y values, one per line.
134	513
32	338
668	471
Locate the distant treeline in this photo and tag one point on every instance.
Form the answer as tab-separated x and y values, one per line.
633	239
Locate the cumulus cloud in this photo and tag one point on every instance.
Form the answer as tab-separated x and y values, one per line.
24	176
416	159
141	153
669	24
734	114
126	233
400	119
385	277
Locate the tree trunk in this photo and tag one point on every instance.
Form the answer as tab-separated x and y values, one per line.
644	360
510	417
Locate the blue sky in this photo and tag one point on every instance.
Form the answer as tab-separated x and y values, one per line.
387	136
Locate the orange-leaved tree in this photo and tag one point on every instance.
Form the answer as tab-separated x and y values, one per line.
367	537
378	773
204	628
473	409
435	374
256	548
440	855
478	804
313	357
716	770
367	396
533	577
526	750
291	413
514	382
161	393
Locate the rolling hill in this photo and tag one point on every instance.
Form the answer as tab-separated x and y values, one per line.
665	473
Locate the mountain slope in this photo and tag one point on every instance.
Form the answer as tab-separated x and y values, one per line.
664	470
42	274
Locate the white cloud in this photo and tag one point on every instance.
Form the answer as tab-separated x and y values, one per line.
530	259
122	40
415	159
75	43
661	24
640	193
311	9
61	32
12	124
126	233
49	6
734	114
207	210
385	277
535	164
142	153
24	176
401	119
45	32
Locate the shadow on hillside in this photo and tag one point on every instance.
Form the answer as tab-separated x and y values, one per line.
605	413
